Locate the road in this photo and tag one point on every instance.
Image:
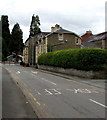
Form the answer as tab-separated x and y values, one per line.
55	96
14	103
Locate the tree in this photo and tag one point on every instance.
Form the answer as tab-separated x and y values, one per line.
34	27
16	42
5	36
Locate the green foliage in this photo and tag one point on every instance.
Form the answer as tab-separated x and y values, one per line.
81	59
10	42
5	35
34	27
0	49
49	48
16	42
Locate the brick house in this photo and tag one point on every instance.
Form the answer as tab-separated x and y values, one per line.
86	35
98	41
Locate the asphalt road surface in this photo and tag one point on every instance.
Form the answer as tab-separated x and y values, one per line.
55	96
14	103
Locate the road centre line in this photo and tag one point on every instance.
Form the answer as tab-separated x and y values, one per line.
98	103
49	81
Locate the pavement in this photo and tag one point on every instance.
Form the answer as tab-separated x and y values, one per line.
14	103
60	96
0	91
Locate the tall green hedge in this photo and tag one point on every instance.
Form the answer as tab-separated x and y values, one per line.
81	59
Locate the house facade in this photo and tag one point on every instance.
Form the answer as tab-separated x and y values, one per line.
41	45
57	39
60	39
26	52
98	41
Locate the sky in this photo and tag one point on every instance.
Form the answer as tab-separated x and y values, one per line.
77	16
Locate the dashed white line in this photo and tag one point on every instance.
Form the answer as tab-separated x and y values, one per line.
98	103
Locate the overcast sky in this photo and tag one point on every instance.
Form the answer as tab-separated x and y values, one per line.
74	15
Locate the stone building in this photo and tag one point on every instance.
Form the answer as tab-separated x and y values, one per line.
26	52
57	39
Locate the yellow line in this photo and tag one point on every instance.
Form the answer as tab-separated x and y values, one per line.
38	103
34	99
30	94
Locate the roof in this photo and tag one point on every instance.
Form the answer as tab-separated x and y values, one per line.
85	36
90	41
61	30
46	34
100	36
39	35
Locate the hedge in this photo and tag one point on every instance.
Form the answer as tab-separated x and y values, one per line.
81	59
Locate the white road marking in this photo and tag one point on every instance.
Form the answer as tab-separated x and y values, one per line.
75	90
98	103
34	72
49	93
78	90
85	91
49	81
56	91
18	72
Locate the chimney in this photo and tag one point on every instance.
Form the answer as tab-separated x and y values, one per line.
89	32
55	28
52	29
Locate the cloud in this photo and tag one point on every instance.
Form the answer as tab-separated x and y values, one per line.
75	15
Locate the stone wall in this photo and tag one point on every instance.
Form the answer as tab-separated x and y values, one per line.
74	72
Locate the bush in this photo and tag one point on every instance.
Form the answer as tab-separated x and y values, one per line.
81	59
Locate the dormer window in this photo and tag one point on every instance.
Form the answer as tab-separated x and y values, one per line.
60	36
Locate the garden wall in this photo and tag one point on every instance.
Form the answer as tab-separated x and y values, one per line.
74	72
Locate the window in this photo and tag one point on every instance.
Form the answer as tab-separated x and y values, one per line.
60	36
77	41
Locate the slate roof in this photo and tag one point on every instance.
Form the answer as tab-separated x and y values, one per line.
90	42
61	30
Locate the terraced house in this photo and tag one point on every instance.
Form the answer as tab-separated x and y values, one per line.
57	39
98	41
